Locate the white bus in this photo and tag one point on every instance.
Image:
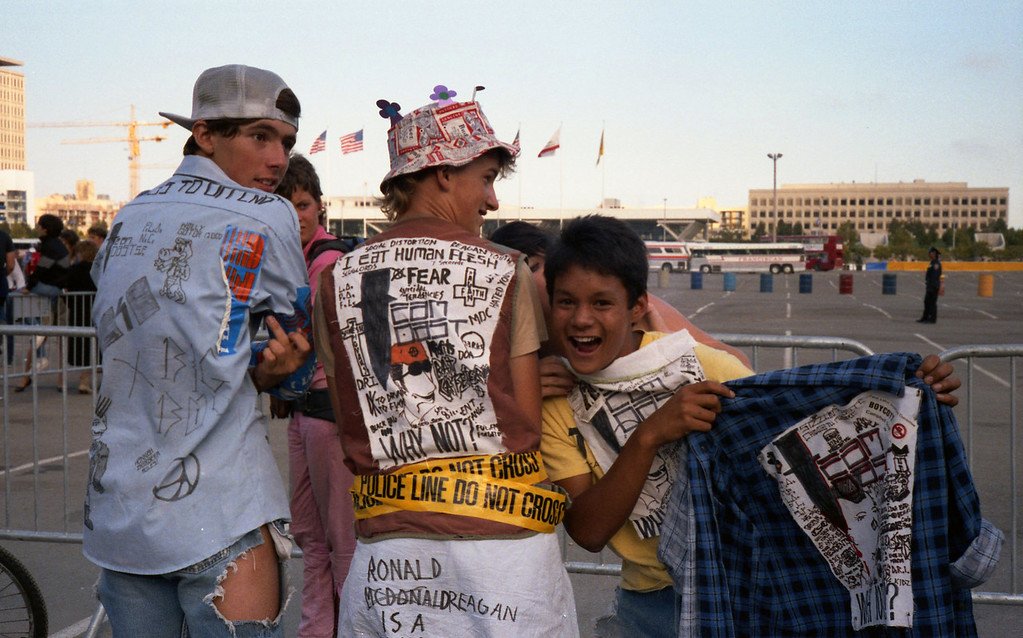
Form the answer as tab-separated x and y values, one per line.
719	257
670	256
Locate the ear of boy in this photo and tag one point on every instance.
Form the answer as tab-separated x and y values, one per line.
639	310
442	177
203	137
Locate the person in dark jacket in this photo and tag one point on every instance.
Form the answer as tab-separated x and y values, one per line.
54	259
45	275
78	280
932	284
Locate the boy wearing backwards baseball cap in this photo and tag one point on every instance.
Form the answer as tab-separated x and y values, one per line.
429	334
184	506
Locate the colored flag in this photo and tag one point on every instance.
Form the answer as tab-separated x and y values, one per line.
515	142
351	143
320	144
552	144
600	152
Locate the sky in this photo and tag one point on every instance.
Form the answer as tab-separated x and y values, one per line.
691	96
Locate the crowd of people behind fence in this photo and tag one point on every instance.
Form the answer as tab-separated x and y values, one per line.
432	451
49	284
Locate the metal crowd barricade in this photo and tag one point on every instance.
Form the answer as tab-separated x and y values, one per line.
791	345
51	435
1014	596
53	448
35	340
1012	352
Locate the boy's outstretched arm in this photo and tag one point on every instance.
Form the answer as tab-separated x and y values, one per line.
600	509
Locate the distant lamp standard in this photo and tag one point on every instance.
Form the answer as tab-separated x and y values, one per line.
774	199
664	220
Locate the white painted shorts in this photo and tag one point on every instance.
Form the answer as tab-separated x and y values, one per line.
458	588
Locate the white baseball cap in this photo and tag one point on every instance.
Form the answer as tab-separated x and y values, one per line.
238	91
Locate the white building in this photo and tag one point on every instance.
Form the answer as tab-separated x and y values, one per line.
361	216
17	197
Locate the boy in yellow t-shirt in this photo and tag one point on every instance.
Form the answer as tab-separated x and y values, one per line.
616	468
612	443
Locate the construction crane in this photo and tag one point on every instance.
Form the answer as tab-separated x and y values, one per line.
132	138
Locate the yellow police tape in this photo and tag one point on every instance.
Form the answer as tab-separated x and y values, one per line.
496	488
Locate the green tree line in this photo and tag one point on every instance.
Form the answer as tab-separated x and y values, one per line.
912	240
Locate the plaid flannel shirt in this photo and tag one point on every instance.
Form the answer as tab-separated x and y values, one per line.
757	573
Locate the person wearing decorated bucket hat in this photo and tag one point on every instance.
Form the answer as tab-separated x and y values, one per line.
428	335
185	506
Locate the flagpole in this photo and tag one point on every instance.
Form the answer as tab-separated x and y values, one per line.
603	168
520	172
330	170
520	196
362	168
561	175
561	186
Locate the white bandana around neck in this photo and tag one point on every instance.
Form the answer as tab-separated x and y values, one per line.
609	405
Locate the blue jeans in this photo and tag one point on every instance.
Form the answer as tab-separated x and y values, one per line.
648	614
8	318
181	603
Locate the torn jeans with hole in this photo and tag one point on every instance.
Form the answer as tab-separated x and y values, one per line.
181	603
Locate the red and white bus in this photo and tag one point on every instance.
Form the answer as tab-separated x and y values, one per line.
780	257
823	252
670	256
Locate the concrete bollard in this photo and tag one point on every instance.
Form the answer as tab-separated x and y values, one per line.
662	278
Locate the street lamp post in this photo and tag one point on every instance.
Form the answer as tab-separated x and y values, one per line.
774	199
664	220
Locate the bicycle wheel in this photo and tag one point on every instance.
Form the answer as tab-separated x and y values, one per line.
22	609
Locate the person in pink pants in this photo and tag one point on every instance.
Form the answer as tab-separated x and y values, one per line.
322	519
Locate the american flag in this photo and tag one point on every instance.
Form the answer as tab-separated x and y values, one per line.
320	144
351	143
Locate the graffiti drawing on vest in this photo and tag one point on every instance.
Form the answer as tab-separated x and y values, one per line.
418	328
173	262
99	455
180	481
241	256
